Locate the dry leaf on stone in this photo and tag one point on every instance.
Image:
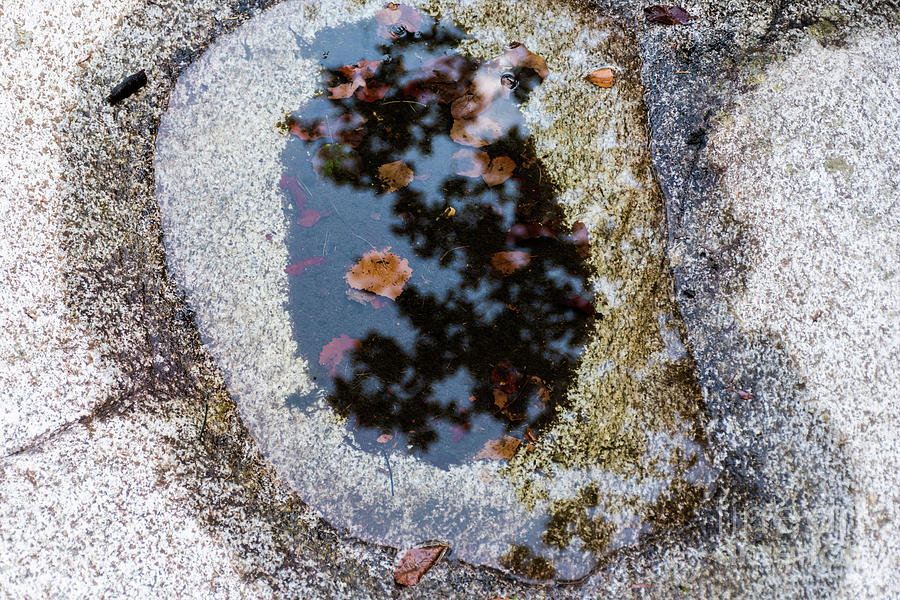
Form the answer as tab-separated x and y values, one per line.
500	169
506	263
476	132
667	15
333	352
518	55
502	449
601	77
416	561
395	175
380	272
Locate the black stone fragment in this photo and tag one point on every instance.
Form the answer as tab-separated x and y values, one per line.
129	86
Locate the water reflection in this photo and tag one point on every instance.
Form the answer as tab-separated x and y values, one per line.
434	285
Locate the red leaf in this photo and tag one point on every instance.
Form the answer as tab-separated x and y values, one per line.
310	217
373	91
384	438
333	352
415	562
290	183
527	231
309	131
667	15
508	262
297	267
501	169
458	432
357	74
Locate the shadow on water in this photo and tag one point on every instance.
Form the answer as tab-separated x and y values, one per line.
440	298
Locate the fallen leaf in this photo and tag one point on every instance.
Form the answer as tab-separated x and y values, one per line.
366	298
443	79
508	262
298	267
667	15
395	175
475	132
601	77
470	163
501	399
530	436
292	185
380	272
348	129
373	91
543	393
458	432
357	74
581	238
309	131
500	169
526	231
333	352
502	449
416	561
505	376
310	217
518	55
384	438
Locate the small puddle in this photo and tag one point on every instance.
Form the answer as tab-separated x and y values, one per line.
455	331
428	259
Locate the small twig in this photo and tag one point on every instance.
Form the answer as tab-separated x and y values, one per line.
390	471
205	413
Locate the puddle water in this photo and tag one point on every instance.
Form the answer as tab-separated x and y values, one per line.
427	257
443	295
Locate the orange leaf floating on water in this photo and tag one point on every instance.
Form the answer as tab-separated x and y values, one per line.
508	262
380	272
416	561
298	267
384	438
333	352
601	77
475	132
502	449
470	163
518	55
501	169
395	175
397	14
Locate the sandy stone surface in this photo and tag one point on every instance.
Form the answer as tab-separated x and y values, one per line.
171	499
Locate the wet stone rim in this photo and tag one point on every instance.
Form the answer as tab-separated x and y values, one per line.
120	288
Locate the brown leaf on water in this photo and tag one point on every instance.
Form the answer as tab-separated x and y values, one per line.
397	14
543	393
501	399
416	561
518	55
469	106
502	449
667	15
500	170
357	74
601	77
395	175
476	132
333	352
470	163
506	263
380	272
309	131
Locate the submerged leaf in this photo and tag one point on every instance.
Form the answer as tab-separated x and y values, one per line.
364	298
298	267
477	132
398	14
518	55
416	561
380	272
508	262
470	163
395	175
357	74
601	77
292	185
310	217
667	15
500	170
502	449
333	352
